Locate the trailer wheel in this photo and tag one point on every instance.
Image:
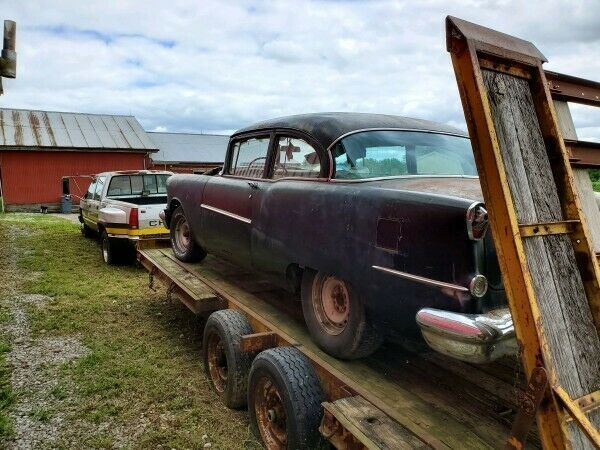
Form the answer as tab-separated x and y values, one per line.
226	366
112	251
183	244
335	316
284	400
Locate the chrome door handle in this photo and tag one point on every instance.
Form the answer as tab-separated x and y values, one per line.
253	184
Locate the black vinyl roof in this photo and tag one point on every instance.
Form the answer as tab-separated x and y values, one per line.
327	127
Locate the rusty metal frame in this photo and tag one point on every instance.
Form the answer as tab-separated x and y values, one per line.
573	89
472	48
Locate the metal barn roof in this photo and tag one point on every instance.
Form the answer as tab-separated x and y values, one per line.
25	129
188	147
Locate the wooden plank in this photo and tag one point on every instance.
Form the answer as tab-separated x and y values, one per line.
193	293
370	426
199	290
567	324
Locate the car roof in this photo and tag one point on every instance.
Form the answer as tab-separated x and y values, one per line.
327	127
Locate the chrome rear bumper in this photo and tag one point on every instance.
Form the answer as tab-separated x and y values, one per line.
476	338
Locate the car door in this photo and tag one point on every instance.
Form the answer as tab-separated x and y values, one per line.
298	164
85	205
229	200
94	202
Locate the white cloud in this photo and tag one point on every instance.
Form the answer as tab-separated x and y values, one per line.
213	65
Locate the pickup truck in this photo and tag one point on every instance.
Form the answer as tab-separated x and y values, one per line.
123	207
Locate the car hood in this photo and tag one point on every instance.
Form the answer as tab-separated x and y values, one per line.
462	187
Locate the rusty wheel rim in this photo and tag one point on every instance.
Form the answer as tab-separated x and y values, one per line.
217	362
270	414
182	234
331	303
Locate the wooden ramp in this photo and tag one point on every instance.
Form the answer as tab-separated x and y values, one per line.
394	399
542	238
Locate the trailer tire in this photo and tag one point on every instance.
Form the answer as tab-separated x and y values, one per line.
112	250
284	400
226	366
336	318
183	243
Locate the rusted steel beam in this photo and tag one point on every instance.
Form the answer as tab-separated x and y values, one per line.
530	403
258	342
545	229
573	89
583	154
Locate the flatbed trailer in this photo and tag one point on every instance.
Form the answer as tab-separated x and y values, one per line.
400	397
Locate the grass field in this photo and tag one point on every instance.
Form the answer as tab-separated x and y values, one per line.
117	365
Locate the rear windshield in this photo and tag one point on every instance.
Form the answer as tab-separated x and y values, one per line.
388	153
146	184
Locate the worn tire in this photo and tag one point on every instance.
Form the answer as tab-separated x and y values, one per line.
87	231
356	338
297	405
112	249
183	244
225	328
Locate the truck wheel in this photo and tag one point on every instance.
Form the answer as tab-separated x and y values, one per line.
86	231
182	240
284	400
225	364
335	316
111	250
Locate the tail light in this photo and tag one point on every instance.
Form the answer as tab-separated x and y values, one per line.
477	221
134	220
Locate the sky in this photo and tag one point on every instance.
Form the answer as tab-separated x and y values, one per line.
216	66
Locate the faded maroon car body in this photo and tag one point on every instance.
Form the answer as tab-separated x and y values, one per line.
414	225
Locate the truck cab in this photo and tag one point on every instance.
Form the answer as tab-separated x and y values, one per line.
123	208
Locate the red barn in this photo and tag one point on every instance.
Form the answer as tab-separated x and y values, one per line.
39	148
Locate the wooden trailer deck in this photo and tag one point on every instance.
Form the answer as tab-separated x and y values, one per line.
397	398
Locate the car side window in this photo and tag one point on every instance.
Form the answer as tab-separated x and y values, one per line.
99	187
91	189
249	157
296	158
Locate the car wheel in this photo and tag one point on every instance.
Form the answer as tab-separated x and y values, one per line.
225	364
284	400
335	316
111	250
183	244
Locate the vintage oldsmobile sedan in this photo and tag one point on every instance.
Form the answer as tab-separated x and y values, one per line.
376	220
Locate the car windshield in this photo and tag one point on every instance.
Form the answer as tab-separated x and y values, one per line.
388	153
146	184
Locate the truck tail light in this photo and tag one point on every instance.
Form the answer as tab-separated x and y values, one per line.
134	221
477	221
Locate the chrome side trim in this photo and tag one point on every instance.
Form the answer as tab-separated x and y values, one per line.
226	213
423	280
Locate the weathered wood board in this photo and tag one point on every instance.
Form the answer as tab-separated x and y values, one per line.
567	323
371	427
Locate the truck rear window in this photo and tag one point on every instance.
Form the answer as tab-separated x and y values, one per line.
146	184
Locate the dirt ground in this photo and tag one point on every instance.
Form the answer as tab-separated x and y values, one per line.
90	357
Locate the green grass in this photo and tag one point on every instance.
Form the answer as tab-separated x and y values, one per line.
143	372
